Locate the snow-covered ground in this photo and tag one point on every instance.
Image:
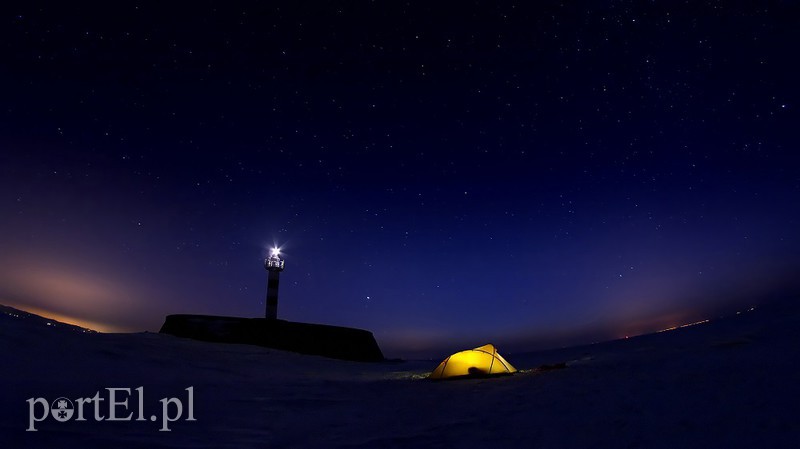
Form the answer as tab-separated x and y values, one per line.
729	383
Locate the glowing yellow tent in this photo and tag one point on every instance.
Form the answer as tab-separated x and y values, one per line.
478	362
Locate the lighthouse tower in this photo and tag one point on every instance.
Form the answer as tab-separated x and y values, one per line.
274	266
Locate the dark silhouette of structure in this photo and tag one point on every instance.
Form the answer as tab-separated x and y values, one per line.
306	338
318	339
274	265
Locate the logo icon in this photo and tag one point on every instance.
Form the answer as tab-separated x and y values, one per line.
62	409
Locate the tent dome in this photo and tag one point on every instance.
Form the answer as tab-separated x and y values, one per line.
478	362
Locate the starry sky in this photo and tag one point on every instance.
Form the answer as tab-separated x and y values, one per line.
445	175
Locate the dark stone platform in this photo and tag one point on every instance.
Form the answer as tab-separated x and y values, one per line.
318	339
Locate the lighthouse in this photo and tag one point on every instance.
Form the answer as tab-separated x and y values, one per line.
306	338
274	266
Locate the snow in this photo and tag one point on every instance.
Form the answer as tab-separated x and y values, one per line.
728	383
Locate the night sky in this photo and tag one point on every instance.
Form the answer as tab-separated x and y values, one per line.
444	175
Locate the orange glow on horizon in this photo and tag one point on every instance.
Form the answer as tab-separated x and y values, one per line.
85	298
87	324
